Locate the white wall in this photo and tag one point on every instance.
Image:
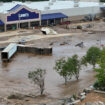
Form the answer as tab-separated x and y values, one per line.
90	0
87	0
76	11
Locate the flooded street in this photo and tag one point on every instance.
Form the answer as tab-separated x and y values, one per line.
14	75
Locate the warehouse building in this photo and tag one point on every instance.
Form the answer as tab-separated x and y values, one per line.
17	15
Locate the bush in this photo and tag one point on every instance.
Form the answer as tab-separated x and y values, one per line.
15	96
96	85
102	0
103	19
75	96
79	27
99	86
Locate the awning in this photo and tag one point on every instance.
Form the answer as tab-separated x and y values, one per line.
15	7
1	22
53	16
103	8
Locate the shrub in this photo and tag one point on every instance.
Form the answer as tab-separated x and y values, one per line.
79	27
99	86
102	0
15	96
96	85
75	96
103	19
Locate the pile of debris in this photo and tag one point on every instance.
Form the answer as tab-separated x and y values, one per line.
74	99
96	103
48	31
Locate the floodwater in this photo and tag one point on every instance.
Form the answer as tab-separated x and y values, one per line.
14	75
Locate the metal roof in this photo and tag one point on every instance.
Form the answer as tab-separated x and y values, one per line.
42	4
15	7
53	16
9	47
1	22
103	8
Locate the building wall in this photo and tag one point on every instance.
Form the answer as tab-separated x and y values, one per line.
88	0
73	13
12	17
3	17
76	11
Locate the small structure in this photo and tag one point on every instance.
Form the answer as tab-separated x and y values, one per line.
8	52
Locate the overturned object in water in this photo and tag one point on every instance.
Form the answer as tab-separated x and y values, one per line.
81	44
12	48
48	31
9	51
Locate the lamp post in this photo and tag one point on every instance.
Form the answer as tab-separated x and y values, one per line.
19	20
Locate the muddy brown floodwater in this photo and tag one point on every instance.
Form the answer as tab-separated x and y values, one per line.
13	75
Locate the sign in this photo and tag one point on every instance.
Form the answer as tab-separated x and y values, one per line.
23	15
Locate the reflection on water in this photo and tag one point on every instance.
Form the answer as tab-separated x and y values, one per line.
14	74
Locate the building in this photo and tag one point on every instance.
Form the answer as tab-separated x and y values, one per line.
15	15
90	0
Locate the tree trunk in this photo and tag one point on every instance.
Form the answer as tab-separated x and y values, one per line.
77	77
42	88
41	91
65	80
94	66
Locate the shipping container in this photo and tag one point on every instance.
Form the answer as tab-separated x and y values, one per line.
9	51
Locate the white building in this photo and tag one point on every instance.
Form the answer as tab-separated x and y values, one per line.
16	15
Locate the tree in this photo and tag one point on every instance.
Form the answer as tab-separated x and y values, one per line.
68	68
38	78
76	66
100	83
61	68
102	0
92	56
102	59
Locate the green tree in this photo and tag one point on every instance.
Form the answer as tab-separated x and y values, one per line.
76	63
73	65
38	78
92	56
68	68
102	0
102	60
100	83
61	68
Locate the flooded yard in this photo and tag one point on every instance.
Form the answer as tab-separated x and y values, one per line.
14	75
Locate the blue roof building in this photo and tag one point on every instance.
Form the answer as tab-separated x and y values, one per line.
15	15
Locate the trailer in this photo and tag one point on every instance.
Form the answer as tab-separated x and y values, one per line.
8	52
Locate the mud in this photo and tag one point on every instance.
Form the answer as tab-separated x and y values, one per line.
14	75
